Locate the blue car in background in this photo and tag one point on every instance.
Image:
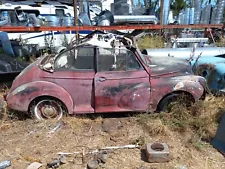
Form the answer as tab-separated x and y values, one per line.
213	70
208	62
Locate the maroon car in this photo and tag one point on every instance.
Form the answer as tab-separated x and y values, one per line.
102	76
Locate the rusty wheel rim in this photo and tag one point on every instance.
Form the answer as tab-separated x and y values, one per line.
48	109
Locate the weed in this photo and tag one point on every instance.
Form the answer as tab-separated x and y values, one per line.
152	124
140	141
221	42
150	42
201	120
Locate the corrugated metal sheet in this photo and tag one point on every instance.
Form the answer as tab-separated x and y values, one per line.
197	13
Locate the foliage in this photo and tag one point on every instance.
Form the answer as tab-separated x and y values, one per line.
151	41
177	5
221	42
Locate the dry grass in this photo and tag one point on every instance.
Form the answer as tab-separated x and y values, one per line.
198	122
221	42
150	42
186	131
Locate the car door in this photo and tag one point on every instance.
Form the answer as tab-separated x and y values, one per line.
121	83
74	71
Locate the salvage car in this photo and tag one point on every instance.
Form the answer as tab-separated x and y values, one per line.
213	70
102	73
208	62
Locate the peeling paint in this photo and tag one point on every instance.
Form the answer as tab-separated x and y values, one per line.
178	86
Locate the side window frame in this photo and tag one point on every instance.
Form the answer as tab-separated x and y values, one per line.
60	55
135	59
75	69
126	59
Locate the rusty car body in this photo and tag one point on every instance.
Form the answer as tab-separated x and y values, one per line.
103	73
213	70
208	62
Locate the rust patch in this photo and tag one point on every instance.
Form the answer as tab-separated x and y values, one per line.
203	67
208	71
27	91
112	91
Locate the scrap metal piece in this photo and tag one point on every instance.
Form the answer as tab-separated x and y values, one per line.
219	140
54	164
57	163
102	156
34	165
5	164
59	125
157	152
103	149
93	164
120	19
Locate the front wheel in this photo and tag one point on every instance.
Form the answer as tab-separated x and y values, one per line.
47	109
174	99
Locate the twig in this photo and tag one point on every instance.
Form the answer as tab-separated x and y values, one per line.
194	66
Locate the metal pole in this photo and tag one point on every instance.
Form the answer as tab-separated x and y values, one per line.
161	12
76	19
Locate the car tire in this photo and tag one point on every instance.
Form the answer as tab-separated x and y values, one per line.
167	103
43	109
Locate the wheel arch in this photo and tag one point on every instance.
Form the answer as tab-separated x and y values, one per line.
42	97
21	97
179	92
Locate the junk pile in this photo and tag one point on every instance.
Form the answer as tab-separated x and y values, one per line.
10	66
153	152
123	13
208	14
37	14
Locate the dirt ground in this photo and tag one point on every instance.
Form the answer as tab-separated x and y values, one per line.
24	141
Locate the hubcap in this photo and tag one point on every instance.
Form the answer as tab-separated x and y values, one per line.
48	109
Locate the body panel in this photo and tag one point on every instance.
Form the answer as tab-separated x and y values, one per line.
21	97
213	70
122	91
79	84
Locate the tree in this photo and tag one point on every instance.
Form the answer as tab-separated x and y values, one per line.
177	5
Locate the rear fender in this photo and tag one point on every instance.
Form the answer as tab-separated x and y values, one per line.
21	97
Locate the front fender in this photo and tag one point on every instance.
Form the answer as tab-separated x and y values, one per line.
192	87
161	87
20	98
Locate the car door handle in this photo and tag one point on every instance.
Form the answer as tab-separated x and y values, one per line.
101	79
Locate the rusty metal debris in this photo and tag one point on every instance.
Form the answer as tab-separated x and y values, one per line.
57	163
100	158
5	164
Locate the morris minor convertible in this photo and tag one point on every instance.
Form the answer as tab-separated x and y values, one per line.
103	73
